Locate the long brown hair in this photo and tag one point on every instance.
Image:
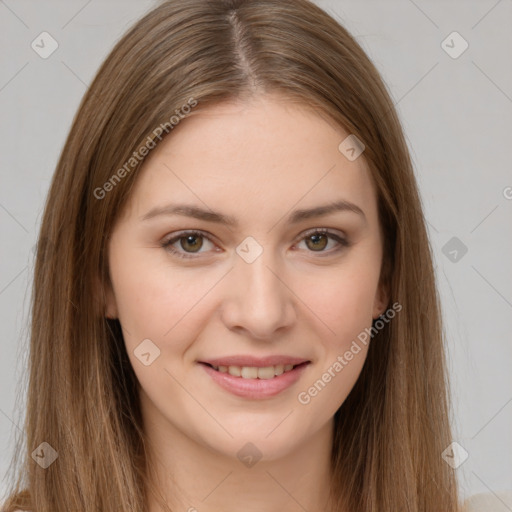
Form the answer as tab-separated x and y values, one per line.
82	393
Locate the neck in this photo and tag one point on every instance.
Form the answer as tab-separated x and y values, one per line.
194	477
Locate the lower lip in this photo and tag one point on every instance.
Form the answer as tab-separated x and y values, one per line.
255	388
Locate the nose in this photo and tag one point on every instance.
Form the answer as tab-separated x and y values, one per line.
257	299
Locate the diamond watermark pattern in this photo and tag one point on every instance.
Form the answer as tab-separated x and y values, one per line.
454	45
455	455
351	148
146	352
249	455
454	249
249	250
45	455
44	45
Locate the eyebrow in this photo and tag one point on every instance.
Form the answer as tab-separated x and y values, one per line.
295	217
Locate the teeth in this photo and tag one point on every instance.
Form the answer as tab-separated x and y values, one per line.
279	369
251	372
234	370
248	372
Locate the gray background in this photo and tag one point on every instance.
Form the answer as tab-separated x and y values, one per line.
457	115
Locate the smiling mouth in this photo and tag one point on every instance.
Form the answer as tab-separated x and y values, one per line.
253	372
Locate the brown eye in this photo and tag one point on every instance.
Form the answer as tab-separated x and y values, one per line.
191	242
318	241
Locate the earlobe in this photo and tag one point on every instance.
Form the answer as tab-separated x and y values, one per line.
110	303
110	306
381	301
107	300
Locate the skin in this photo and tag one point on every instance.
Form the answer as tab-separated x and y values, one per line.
256	161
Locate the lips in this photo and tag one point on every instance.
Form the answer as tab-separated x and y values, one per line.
242	381
255	362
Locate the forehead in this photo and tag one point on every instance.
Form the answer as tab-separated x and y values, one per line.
263	155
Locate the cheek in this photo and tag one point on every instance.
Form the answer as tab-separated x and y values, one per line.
162	303
152	298
342	300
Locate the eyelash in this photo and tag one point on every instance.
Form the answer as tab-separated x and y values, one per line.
167	244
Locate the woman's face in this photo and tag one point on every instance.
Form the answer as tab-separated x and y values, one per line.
255	282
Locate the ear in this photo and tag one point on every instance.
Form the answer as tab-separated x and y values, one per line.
381	301
106	299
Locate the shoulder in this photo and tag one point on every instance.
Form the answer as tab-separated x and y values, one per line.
485	502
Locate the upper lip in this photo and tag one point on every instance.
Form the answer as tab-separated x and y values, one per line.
258	362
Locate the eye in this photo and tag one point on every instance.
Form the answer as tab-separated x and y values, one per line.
191	242
318	239
188	240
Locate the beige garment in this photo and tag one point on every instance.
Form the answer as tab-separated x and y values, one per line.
484	502
489	502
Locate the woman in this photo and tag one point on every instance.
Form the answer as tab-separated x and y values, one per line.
234	299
